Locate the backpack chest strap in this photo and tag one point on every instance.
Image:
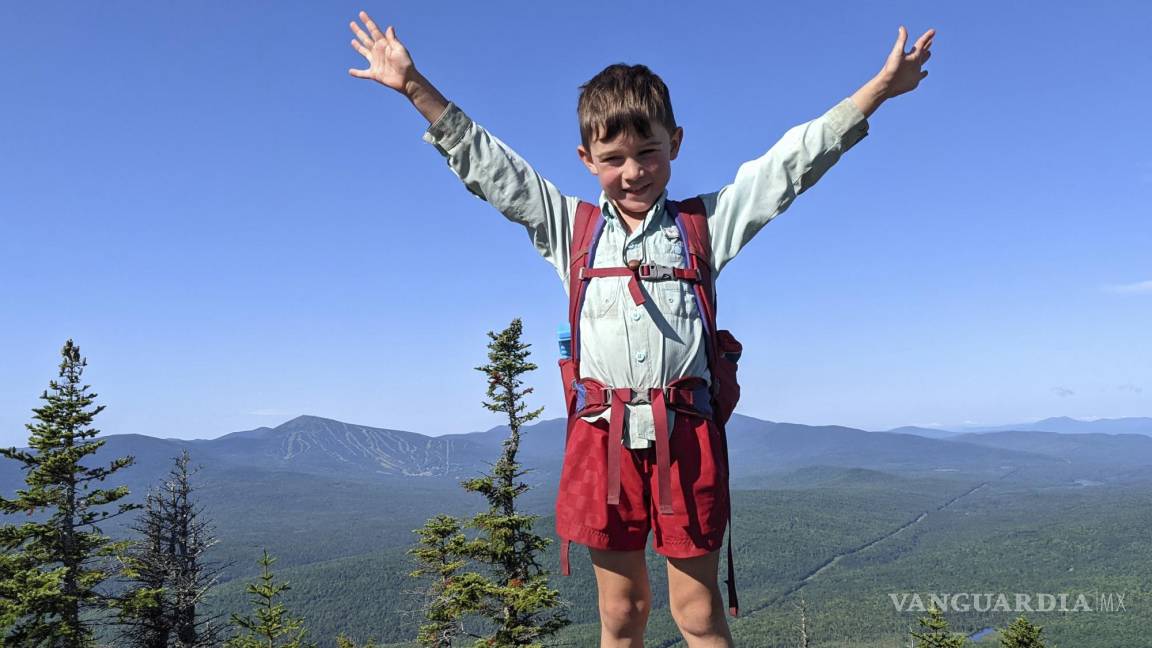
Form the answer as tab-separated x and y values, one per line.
637	272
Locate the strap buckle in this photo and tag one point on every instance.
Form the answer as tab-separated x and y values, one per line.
636	396
653	272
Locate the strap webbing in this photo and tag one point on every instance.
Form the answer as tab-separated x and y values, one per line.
620	396
663	460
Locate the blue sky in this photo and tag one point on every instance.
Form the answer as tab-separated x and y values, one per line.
235	231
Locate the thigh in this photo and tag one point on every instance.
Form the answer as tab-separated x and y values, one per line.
693	589
693	577
621	575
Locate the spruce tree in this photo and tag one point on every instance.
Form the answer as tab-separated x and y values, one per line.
504	582
937	635
440	553
142	615
166	570
1022	634
272	627
50	569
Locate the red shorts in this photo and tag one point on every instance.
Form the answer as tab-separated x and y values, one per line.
699	493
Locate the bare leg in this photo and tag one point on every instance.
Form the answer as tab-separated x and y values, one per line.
625	597
694	597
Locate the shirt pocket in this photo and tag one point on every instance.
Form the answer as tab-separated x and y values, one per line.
668	248
674	298
602	299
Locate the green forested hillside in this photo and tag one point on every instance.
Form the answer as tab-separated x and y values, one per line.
845	540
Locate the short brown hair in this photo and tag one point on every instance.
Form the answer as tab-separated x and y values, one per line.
623	98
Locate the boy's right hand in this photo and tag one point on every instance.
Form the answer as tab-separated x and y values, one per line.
388	60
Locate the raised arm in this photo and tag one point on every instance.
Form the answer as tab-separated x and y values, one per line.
488	168
765	187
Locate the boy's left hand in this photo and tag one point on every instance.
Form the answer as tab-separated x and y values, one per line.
902	71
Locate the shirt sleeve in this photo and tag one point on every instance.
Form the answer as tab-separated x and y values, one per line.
766	186
492	171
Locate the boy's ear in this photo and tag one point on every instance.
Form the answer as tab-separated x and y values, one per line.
675	141
586	158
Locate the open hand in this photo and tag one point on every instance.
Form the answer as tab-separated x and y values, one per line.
902	71
388	60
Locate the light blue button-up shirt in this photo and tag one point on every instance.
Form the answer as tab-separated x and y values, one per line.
624	345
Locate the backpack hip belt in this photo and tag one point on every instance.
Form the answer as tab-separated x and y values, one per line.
689	395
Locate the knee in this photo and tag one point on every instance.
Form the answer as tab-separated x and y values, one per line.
696	615
623	614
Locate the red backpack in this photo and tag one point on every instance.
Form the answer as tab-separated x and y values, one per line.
723	349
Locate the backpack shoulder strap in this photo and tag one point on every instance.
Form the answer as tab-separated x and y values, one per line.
694	224
581	252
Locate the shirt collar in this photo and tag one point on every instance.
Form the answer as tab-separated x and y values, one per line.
609	209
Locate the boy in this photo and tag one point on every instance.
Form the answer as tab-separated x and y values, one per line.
636	339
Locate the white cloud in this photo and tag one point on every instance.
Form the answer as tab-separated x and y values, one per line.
1063	392
1129	387
1138	287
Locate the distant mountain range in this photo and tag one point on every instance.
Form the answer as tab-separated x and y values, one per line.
1060	424
311	445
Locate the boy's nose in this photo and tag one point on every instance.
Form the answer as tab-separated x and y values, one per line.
633	170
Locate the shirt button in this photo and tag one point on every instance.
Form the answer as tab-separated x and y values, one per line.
640	356
636	315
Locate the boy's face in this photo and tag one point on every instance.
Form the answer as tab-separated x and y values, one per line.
633	170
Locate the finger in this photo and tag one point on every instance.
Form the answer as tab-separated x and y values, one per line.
360	74
921	41
360	34
372	28
359	47
927	54
390	34
901	40
931	39
923	74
